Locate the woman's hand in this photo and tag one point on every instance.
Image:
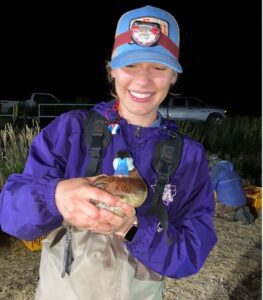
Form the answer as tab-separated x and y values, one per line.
73	199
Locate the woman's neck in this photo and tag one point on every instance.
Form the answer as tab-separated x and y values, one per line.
136	119
144	121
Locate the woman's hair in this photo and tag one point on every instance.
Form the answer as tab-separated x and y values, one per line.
110	80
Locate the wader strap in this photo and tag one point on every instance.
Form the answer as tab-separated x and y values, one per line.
97	138
166	159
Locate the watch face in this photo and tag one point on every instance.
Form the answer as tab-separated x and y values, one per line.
131	233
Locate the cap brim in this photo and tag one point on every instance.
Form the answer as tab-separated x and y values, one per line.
144	55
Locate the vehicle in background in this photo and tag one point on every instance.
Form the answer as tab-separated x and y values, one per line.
41	98
7	106
42	107
191	109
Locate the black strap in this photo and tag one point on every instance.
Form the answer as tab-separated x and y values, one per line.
97	138
167	155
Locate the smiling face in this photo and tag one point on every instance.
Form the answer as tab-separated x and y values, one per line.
141	88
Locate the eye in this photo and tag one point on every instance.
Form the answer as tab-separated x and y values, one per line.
160	68
129	66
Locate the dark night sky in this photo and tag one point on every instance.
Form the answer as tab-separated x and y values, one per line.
64	53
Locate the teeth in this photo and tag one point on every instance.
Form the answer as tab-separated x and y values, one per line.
140	95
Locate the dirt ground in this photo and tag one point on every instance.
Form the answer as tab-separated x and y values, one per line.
232	271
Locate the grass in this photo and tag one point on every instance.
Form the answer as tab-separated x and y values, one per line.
238	140
14	149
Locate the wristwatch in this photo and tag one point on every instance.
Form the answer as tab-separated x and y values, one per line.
129	234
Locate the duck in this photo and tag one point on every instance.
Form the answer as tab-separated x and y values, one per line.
126	183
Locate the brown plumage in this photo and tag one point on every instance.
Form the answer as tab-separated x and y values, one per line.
130	189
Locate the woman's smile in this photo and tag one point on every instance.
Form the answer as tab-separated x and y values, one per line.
140	97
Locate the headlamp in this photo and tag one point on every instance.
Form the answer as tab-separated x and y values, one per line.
145	33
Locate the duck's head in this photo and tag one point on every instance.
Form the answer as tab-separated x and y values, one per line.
123	163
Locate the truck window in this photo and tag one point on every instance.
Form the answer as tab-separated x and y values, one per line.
179	101
195	102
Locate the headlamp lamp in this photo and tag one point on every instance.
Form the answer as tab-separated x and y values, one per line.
145	33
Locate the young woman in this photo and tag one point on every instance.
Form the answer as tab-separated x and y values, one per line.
112	256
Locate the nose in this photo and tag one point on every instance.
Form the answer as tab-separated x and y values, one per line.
143	76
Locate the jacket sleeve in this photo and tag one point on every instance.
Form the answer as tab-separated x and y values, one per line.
190	223
27	204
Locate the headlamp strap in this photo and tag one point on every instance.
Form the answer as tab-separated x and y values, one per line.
164	40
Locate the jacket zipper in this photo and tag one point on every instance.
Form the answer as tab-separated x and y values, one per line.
138	131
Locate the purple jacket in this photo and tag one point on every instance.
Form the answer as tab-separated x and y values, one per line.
28	210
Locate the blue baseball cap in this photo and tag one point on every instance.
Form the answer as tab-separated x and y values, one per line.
146	34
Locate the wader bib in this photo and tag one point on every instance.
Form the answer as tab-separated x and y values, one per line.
102	269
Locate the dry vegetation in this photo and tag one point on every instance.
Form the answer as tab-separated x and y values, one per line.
14	149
